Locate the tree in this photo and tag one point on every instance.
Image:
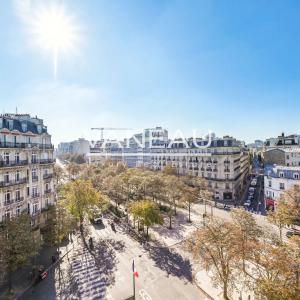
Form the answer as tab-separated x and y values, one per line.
17	243
213	246
273	272
59	224
282	216
73	170
81	197
173	187
148	212
247	233
190	196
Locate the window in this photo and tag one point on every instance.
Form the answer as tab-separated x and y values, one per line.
7	215
17	176
6	158
34	191
18	195
296	175
24	127
35	208
270	183
281	186
28	191
226	176
6	177
18	210
281	175
7	197
227	186
33	158
17	158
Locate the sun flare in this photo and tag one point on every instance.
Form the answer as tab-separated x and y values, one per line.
55	31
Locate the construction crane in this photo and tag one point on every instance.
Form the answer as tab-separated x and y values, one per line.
108	128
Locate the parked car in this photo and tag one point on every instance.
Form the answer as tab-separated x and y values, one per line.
290	234
96	220
251	189
253	182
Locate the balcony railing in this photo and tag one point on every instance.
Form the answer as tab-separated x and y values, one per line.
48	176
35	195
46	161
4	164
13	182
48	191
25	145
20	199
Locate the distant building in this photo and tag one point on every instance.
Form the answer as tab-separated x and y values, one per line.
283	141
224	163
80	146
277	180
26	166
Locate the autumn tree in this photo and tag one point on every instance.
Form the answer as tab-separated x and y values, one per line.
213	246
73	170
190	196
59	224
282	216
147	212
80	197
17	243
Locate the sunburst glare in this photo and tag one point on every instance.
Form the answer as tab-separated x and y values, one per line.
55	31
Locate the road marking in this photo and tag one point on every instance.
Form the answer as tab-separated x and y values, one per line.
144	295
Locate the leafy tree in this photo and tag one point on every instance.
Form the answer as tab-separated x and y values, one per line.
213	246
148	212
81	197
282	216
169	170
273	272
190	196
173	187
17	243
73	170
59	224
247	233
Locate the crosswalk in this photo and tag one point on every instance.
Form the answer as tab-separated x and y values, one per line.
90	281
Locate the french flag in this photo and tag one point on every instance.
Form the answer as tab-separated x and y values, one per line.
135	273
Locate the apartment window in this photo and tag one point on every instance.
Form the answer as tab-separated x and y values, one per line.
24	127
28	191
7	197
34	191
296	176
18	195
17	176
17	158
6	177
33	158
281	186
6	158
18	210
281	175
227	186
226	176
270	183
35	208
209	175
202	174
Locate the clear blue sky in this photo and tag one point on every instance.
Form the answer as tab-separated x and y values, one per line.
229	66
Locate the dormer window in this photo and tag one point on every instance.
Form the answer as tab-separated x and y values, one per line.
10	124
24	127
39	129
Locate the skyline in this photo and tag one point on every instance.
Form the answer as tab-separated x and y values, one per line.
140	64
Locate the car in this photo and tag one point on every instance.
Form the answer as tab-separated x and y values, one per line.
247	204
251	189
96	220
290	234
253	182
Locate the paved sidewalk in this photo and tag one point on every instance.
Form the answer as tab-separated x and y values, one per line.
21	278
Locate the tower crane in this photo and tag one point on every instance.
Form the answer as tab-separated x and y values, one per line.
108	128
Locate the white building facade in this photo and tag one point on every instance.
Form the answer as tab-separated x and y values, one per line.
224	163
26	166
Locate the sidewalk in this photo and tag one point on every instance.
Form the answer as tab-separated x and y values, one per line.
21	278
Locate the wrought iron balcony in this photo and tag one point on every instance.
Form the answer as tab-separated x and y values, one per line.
13	182
6	164
48	176
35	195
35	178
46	161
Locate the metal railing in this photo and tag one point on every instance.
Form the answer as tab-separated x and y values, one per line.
47	176
25	145
35	195
46	161
13	182
5	164
35	178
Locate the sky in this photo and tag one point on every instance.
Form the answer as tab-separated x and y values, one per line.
232	67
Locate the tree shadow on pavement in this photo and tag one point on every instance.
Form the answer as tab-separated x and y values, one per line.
170	261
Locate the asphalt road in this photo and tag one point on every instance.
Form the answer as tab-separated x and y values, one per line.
106	272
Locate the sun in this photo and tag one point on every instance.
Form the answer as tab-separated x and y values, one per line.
55	31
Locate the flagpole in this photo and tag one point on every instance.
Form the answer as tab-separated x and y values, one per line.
133	280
